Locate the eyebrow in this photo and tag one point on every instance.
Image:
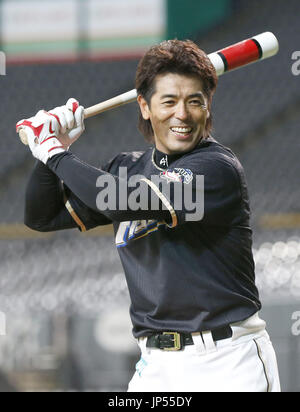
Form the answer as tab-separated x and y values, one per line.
198	94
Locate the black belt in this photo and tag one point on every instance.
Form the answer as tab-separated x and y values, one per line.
177	341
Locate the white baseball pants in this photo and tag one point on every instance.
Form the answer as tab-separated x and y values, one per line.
246	362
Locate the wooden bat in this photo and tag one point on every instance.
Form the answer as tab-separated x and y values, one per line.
238	55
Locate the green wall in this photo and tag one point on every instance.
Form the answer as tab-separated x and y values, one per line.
186	18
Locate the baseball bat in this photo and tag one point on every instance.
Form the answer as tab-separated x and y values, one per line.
238	55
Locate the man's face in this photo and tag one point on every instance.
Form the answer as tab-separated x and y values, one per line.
177	111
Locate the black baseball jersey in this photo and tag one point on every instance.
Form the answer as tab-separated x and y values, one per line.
187	270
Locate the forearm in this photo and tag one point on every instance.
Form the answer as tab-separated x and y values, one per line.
82	180
44	204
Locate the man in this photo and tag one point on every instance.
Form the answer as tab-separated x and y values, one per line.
190	276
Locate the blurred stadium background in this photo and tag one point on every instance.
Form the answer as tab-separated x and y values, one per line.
64	294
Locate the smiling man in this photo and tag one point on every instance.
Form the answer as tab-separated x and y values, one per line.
177	112
194	303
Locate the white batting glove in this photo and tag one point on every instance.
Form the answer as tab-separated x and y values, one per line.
41	131
54	131
71	119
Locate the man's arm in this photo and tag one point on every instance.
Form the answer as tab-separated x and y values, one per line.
82	179
49	134
211	191
45	205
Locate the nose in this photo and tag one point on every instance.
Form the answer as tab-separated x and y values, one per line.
181	112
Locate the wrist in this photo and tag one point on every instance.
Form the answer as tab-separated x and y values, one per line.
52	146
47	149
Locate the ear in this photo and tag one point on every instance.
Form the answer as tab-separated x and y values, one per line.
145	110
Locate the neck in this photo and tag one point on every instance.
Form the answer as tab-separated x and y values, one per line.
164	160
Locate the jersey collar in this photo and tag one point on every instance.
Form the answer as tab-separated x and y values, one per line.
162	160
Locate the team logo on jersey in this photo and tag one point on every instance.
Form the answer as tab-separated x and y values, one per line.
164	161
177	174
136	229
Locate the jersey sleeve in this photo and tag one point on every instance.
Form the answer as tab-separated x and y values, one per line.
83	216
44	206
210	191
51	206
92	185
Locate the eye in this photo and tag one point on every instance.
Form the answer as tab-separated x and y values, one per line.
196	102
168	102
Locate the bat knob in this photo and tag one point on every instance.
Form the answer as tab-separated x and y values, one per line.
23	137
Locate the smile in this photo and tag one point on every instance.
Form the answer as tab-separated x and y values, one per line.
183	131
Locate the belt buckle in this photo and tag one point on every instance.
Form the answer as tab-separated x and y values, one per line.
176	340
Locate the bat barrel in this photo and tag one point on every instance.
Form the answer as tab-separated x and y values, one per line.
248	51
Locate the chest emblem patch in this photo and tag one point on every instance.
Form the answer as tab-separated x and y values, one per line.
177	174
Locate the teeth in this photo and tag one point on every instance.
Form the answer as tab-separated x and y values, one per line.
181	129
